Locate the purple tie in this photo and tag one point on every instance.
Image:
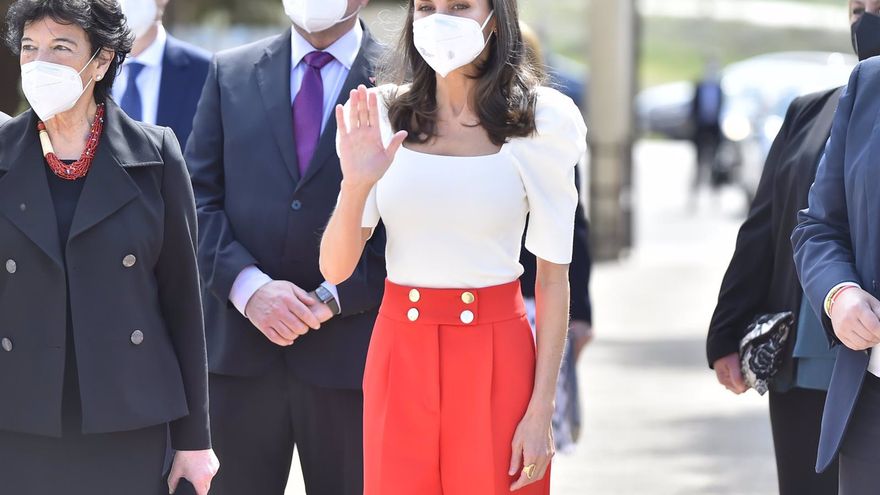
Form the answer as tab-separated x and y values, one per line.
308	109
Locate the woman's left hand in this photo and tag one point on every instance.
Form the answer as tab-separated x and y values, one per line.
532	444
197	466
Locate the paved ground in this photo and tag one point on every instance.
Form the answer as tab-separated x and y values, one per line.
656	421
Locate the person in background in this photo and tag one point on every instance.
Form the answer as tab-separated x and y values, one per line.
286	349
567	415
706	118
762	279
102	345
162	79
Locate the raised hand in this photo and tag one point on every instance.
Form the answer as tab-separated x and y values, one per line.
362	154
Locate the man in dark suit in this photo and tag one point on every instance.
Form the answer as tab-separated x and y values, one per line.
162	79
835	250
706	117
266	176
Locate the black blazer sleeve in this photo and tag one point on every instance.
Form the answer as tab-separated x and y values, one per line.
581	263
221	256
363	291
180	298
745	286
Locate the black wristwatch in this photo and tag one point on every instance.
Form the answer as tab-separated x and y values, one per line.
327	298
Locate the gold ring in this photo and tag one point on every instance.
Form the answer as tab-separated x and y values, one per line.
529	471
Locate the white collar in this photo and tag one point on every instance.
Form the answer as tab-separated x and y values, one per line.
153	55
345	49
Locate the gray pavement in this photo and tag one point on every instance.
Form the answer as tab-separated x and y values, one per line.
656	422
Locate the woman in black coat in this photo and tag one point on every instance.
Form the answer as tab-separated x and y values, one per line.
102	348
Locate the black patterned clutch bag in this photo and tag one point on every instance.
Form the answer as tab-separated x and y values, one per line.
761	350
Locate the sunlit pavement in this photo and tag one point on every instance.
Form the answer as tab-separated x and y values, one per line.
656	422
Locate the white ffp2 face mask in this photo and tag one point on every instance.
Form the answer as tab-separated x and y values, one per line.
448	42
140	15
52	88
317	15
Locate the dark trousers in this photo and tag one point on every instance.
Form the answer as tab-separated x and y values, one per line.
257	421
128	462
796	419
860	453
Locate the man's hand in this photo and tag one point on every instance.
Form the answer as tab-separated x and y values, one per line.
854	319
729	373
281	311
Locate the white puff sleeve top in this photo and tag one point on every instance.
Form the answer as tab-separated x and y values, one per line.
457	222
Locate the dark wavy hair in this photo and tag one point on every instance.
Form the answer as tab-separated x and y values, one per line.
102	20
506	91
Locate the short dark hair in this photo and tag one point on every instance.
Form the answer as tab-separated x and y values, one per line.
102	20
505	98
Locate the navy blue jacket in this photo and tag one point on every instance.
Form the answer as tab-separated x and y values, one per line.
837	239
254	208
184	70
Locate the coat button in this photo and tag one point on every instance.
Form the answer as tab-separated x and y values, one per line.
11	266
414	295
137	337
296	205
467	317
468	298
6	343
412	314
129	261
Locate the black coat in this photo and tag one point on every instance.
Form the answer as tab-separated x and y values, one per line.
761	277
134	290
255	209
578	272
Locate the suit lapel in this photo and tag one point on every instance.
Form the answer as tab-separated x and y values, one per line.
25	199
361	73
108	185
171	98
273	78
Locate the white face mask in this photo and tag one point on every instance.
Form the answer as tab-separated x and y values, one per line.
317	15
52	88
447	42
140	15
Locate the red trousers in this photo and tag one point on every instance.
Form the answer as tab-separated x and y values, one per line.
449	376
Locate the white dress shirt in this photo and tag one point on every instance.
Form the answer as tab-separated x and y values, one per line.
458	222
150	78
345	50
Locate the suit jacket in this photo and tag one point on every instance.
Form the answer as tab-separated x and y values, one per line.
837	238
254	208
697	106
761	277
134	291
578	271
184	70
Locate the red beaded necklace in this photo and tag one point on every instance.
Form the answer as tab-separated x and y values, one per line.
79	168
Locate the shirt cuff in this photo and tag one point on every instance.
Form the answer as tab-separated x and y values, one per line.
833	292
246	284
333	290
